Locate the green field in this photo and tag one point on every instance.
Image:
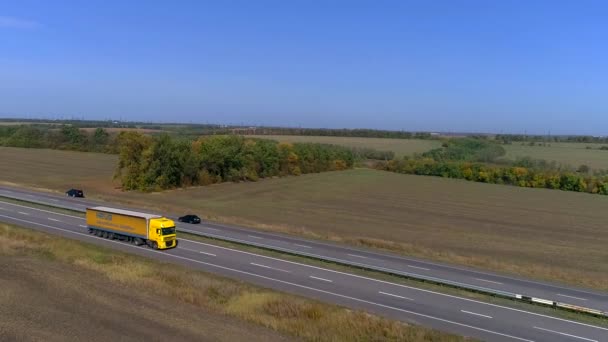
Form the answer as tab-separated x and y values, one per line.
539	233
401	147
573	154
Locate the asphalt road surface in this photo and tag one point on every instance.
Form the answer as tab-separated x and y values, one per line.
364	257
441	311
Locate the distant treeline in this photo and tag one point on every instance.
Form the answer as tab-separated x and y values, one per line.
478	160
162	162
61	138
510	138
360	133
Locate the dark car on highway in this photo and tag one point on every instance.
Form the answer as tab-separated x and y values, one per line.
190	219
75	193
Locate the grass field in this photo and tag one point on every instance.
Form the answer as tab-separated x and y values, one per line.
538	233
573	154
401	147
96	300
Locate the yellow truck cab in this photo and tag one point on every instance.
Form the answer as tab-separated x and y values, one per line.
155	231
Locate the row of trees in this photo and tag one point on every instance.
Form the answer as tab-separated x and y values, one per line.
326	132
64	138
162	162
509	138
467	149
479	160
511	175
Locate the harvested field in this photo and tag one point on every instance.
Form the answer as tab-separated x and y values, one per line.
401	147
538	233
573	154
45	300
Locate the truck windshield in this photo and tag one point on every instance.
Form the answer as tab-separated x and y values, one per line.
168	231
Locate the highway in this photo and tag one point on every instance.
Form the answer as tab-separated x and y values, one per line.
359	256
441	311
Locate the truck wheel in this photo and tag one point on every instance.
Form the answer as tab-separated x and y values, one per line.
111	236
154	245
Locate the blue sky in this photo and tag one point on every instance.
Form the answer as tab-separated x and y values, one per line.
493	66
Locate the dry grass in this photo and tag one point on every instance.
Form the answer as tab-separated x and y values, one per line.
401	147
573	154
544	234
295	316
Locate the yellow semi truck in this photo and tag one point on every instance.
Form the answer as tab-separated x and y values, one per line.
137	228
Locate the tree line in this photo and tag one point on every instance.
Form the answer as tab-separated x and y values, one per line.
62	138
327	132
479	161
162	162
510	138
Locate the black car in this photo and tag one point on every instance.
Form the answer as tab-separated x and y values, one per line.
190	219
75	193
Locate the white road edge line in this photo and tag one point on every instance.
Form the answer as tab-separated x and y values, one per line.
303	246
394	295
563	295
272	268
564	334
209	228
357	256
52	219
255	237
489	281
322	279
22	213
420	268
476	314
82	225
401	285
279	281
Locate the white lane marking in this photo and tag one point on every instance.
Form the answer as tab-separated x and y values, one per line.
82	225
195	251
303	246
208	228
564	334
476	314
489	281
255	237
53	200
357	256
52	219
2	208
394	295
278	280
272	268
563	295
401	285
42	210
322	279
22	213
420	268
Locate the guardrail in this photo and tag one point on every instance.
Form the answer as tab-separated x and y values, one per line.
410	275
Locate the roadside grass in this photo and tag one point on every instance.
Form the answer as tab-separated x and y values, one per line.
296	316
535	233
401	147
573	154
